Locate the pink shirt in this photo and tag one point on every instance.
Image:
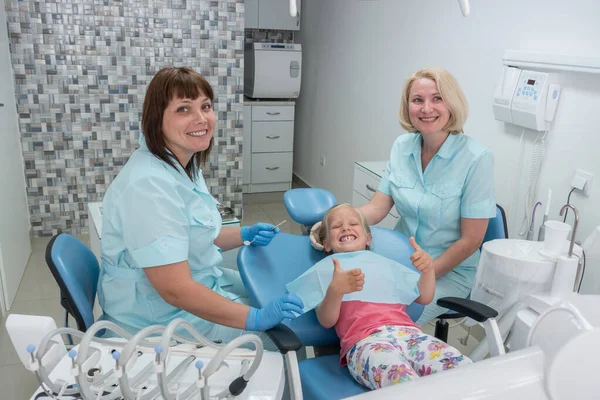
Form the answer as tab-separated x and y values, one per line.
360	319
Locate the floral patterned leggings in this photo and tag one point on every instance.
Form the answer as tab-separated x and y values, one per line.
395	354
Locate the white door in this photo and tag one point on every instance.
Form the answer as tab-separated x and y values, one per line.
15	244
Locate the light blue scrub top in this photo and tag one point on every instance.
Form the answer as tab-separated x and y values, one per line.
155	215
457	183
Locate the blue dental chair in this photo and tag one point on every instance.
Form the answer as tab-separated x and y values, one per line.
75	269
265	272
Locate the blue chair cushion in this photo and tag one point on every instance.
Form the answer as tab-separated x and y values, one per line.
307	206
266	270
496	226
324	378
75	268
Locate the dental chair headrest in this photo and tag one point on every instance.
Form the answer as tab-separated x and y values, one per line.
307	206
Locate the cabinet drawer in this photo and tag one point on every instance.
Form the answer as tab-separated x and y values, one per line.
272	136
364	183
272	113
389	221
272	167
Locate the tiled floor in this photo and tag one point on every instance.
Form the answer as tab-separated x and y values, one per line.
38	294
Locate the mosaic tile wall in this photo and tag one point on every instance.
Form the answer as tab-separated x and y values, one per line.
81	68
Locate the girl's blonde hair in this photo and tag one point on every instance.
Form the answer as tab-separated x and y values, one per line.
324	231
451	93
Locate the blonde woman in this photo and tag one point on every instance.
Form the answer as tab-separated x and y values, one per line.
440	181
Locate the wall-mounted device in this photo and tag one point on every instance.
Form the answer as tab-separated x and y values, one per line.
273	70
526	98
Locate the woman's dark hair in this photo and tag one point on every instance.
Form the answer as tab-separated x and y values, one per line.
167	84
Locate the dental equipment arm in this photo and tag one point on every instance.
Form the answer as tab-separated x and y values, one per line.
102	385
480	313
236	387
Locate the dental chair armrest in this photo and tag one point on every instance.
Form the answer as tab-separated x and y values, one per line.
284	338
470	308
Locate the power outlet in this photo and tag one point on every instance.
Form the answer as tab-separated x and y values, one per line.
322	160
582	180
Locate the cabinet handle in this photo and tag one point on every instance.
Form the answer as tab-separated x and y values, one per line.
369	187
272	168
273	137
273	113
1	105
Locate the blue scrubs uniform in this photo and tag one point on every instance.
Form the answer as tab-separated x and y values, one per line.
457	183
155	215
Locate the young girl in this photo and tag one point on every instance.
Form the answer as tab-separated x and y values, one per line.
379	342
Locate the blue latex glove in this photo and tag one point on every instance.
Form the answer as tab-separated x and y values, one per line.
274	312
259	234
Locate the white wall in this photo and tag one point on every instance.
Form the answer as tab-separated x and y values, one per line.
357	54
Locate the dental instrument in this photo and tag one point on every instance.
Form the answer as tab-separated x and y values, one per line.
542	231
530	231
248	242
182	365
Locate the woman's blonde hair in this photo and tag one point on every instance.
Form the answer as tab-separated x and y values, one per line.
452	96
324	231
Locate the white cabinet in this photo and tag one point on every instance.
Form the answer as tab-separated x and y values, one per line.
271	14
366	179
268	146
251	14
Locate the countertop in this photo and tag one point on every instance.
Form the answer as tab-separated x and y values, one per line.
376	167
